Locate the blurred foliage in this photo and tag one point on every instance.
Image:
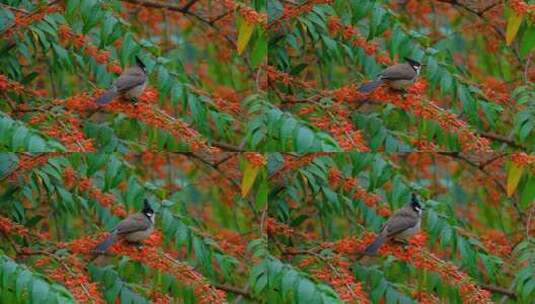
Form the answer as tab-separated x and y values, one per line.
468	219
201	216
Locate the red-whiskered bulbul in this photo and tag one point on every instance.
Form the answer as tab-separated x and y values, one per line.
399	76
403	224
135	228
130	84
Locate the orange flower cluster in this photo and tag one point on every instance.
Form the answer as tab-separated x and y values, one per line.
340	126
145	112
255	159
246	12
521	7
342	280
423	145
159	298
78	103
419	8
231	242
67	130
275	75
292	163
348	93
414	102
67	37
496	242
275	228
156	161
419	257
522	159
350	246
9	227
151	256
149	16
77	281
107	200
293	11
352	33
11	85
23	19
226	100
425	297
496	89
350	184
28	162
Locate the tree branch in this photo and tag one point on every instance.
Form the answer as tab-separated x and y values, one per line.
502	139
233	289
499	289
189	5
480	14
481	167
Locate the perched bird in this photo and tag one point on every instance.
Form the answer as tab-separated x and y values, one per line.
130	84
403	224
399	76
135	228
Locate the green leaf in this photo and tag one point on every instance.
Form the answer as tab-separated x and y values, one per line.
39	291
262	193
260	49
528	41
244	35
305	293
36	144
513	177
305	138
513	24
19	138
249	175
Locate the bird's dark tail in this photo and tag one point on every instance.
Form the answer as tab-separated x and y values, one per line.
370	86
104	245
374	246
108	96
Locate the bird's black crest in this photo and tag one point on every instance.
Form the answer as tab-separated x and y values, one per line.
140	63
146	207
415	203
412	61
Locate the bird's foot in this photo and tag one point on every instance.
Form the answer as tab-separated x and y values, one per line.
138	245
403	243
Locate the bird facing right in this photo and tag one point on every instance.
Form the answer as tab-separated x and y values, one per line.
398	77
130	84
135	228
402	225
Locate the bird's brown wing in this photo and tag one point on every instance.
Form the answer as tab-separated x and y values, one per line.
133	223
401	220
398	71
131	78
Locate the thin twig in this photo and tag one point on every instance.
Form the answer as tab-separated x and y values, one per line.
233	289
189	5
458	155
20	10
499	289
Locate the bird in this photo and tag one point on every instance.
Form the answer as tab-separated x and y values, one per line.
130	84
135	228
399	76
402	225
